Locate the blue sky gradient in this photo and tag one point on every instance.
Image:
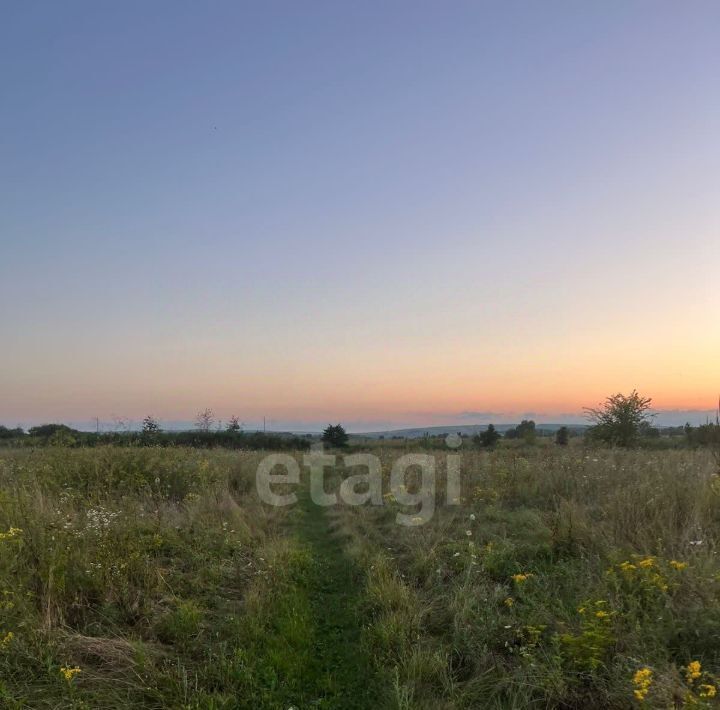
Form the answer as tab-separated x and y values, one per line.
391	212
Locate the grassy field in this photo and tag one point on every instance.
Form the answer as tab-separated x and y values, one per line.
155	578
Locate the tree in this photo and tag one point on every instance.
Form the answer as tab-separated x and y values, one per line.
204	420
150	425
62	437
562	436
688	431
234	425
620	419
524	430
6	433
335	436
46	431
488	438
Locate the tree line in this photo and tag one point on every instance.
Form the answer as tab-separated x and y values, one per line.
621	420
151	434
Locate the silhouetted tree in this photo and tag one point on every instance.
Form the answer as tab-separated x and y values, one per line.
150	425
6	433
204	420
488	438
524	430
234	425
688	431
620	419
46	431
335	436
562	436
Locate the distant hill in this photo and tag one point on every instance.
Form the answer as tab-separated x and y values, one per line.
465	429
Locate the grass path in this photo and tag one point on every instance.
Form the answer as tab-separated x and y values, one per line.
302	646
344	673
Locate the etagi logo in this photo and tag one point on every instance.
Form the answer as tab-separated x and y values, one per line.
283	470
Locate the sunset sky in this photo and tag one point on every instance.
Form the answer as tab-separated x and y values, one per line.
380	213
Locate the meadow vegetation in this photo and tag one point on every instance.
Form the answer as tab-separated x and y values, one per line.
567	577
564	576
124	574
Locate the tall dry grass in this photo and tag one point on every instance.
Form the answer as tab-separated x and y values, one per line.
563	573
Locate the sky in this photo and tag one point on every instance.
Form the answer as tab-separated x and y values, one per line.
397	213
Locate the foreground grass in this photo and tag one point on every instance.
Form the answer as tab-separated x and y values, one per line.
564	579
125	576
154	578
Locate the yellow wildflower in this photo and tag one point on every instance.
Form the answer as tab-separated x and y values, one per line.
627	567
693	671
6	640
642	680
69	673
659	582
707	691
678	565
509	602
647	562
602	614
12	532
520	578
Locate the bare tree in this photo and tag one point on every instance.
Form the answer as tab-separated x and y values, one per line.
204	420
150	425
234	425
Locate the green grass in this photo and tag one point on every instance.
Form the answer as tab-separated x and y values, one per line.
302	637
160	575
611	583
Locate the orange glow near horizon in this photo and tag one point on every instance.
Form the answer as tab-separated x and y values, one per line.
419	374
434	386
